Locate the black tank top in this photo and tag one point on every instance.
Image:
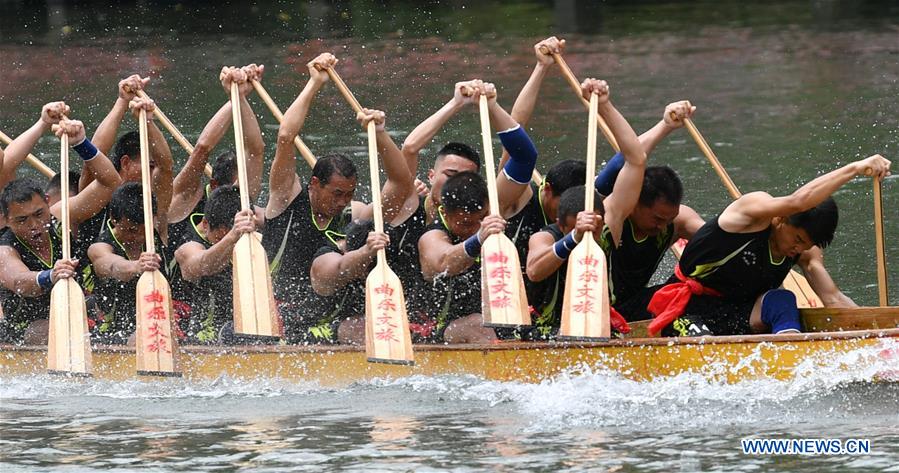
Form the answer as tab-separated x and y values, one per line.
546	296
291	240
632	264
212	297
530	220
738	265
456	296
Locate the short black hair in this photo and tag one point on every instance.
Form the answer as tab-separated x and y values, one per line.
572	202
128	203
327	165
19	191
661	182
127	145
819	221
465	191
222	206
462	150
565	175
55	183
224	168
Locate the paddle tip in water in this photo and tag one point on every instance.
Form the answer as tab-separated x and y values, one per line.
161	374
70	374
389	361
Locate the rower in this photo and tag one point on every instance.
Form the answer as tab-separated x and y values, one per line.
656	222
729	276
30	247
189	196
205	263
343	267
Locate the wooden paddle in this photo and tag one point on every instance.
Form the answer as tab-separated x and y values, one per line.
883	292
301	147
255	312
69	348
585	307
795	282
576	87
31	159
387	337
503	299
173	130
155	344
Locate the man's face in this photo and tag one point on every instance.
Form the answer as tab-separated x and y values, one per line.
789	240
654	219
464	224
330	199
213	236
128	232
445	168
130	168
29	220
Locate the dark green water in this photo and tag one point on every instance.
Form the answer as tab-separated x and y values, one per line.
785	91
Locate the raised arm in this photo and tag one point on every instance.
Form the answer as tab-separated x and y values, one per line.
332	271
196	262
252	134
188	184
812	263
19	148
399	185
620	203
284	184
161	162
94	198
755	210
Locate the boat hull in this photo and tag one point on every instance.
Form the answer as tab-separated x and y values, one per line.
721	359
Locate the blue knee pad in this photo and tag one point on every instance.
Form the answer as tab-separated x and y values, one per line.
779	311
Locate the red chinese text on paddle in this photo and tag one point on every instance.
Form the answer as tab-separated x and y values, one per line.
584	300
385	329
499	277
156	339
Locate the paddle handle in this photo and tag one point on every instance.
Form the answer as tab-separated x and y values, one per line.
241	152
31	159
173	131
146	182
64	189
304	150
488	155
576	87
710	155
344	90
591	153
883	291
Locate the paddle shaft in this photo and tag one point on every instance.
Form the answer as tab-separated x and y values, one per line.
344	90
64	197
589	184
272	107
173	131
375	186
486	136
239	146
145	182
31	159
576	87
883	291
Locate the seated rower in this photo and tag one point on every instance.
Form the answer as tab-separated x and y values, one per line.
205	263
30	247
119	259
728	279
189	196
346	264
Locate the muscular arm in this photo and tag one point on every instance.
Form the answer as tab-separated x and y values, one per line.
252	137
438	256
107	264
626	191
330	272
188	185
422	135
162	177
399	185
524	104
18	150
95	197
812	263
15	276
542	260
687	223
196	261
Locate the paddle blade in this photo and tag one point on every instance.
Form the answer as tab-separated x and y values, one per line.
155	342
387	337
503	299
585	310
69	348
255	312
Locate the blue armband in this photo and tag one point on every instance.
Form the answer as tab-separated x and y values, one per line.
563	247
472	246
45	279
522	155
86	150
605	181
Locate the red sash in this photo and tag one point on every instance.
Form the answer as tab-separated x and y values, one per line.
669	302
618	321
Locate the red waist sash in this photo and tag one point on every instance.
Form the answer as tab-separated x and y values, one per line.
669	302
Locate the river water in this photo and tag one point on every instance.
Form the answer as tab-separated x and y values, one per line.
785	91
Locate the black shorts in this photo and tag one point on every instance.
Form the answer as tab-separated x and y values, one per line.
634	307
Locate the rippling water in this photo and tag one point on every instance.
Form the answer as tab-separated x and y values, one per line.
592	420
